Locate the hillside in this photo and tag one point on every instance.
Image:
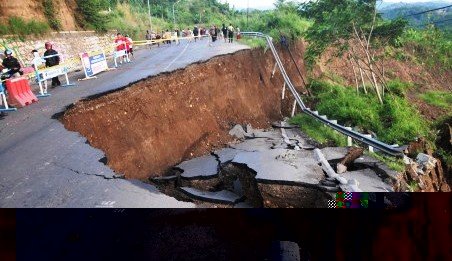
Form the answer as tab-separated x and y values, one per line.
441	18
31	10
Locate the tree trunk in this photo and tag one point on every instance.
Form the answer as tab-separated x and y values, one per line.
351	156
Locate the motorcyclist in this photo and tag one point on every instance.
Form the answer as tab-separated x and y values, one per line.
54	60
11	64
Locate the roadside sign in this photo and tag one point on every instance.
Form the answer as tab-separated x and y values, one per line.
94	62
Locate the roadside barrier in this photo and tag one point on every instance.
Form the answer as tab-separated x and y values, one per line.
42	76
19	92
121	54
5	108
94	62
177	39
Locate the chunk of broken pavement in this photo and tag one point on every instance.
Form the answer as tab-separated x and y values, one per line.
238	132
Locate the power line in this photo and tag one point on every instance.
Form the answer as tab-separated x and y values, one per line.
438	22
428	11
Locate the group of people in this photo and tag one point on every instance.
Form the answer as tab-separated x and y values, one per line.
167	37
124	43
11	67
226	32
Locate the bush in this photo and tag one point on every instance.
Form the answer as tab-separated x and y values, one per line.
399	88
92	16
285	21
20	27
430	45
50	13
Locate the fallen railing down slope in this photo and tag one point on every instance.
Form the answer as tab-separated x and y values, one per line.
388	149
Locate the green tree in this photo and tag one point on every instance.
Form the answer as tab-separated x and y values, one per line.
355	29
91	11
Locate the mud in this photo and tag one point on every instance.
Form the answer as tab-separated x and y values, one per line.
152	125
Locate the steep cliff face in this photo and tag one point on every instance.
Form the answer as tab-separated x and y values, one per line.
34	10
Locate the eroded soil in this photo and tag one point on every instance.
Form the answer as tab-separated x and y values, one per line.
150	126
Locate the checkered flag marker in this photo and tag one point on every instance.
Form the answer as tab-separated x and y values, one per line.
331	203
349	196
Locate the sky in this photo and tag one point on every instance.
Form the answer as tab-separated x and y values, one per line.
268	4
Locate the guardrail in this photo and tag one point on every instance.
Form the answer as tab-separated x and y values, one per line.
347	131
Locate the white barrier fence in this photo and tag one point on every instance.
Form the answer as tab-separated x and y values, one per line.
42	76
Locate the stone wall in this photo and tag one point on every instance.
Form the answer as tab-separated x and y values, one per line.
68	44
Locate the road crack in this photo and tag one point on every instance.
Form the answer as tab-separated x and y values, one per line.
89	174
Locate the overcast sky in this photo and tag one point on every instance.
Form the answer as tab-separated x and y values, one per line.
267	4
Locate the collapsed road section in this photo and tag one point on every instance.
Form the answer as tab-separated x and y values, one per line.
150	126
277	167
180	131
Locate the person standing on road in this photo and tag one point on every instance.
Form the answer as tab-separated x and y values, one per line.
196	32
225	32
231	33
129	45
149	38
214	34
52	59
120	46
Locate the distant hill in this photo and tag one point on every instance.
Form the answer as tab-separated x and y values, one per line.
401	9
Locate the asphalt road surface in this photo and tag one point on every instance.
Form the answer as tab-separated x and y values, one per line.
44	165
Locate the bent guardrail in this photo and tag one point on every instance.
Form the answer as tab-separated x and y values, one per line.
388	149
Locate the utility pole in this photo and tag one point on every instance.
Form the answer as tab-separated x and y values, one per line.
247	14
174	15
150	16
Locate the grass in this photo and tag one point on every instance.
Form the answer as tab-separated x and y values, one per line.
395	164
18	26
394	122
253	42
413	186
439	99
318	131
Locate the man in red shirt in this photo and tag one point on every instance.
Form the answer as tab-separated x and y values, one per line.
120	42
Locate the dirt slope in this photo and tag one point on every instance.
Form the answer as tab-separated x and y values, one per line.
154	124
33	10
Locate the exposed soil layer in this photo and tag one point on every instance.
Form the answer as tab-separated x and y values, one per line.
152	125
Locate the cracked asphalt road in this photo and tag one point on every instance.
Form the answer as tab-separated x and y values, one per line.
44	165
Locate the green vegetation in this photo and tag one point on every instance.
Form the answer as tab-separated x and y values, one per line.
439	99
318	131
92	16
22	28
254	42
396	121
431	46
395	164
338	22
283	20
413	186
50	13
